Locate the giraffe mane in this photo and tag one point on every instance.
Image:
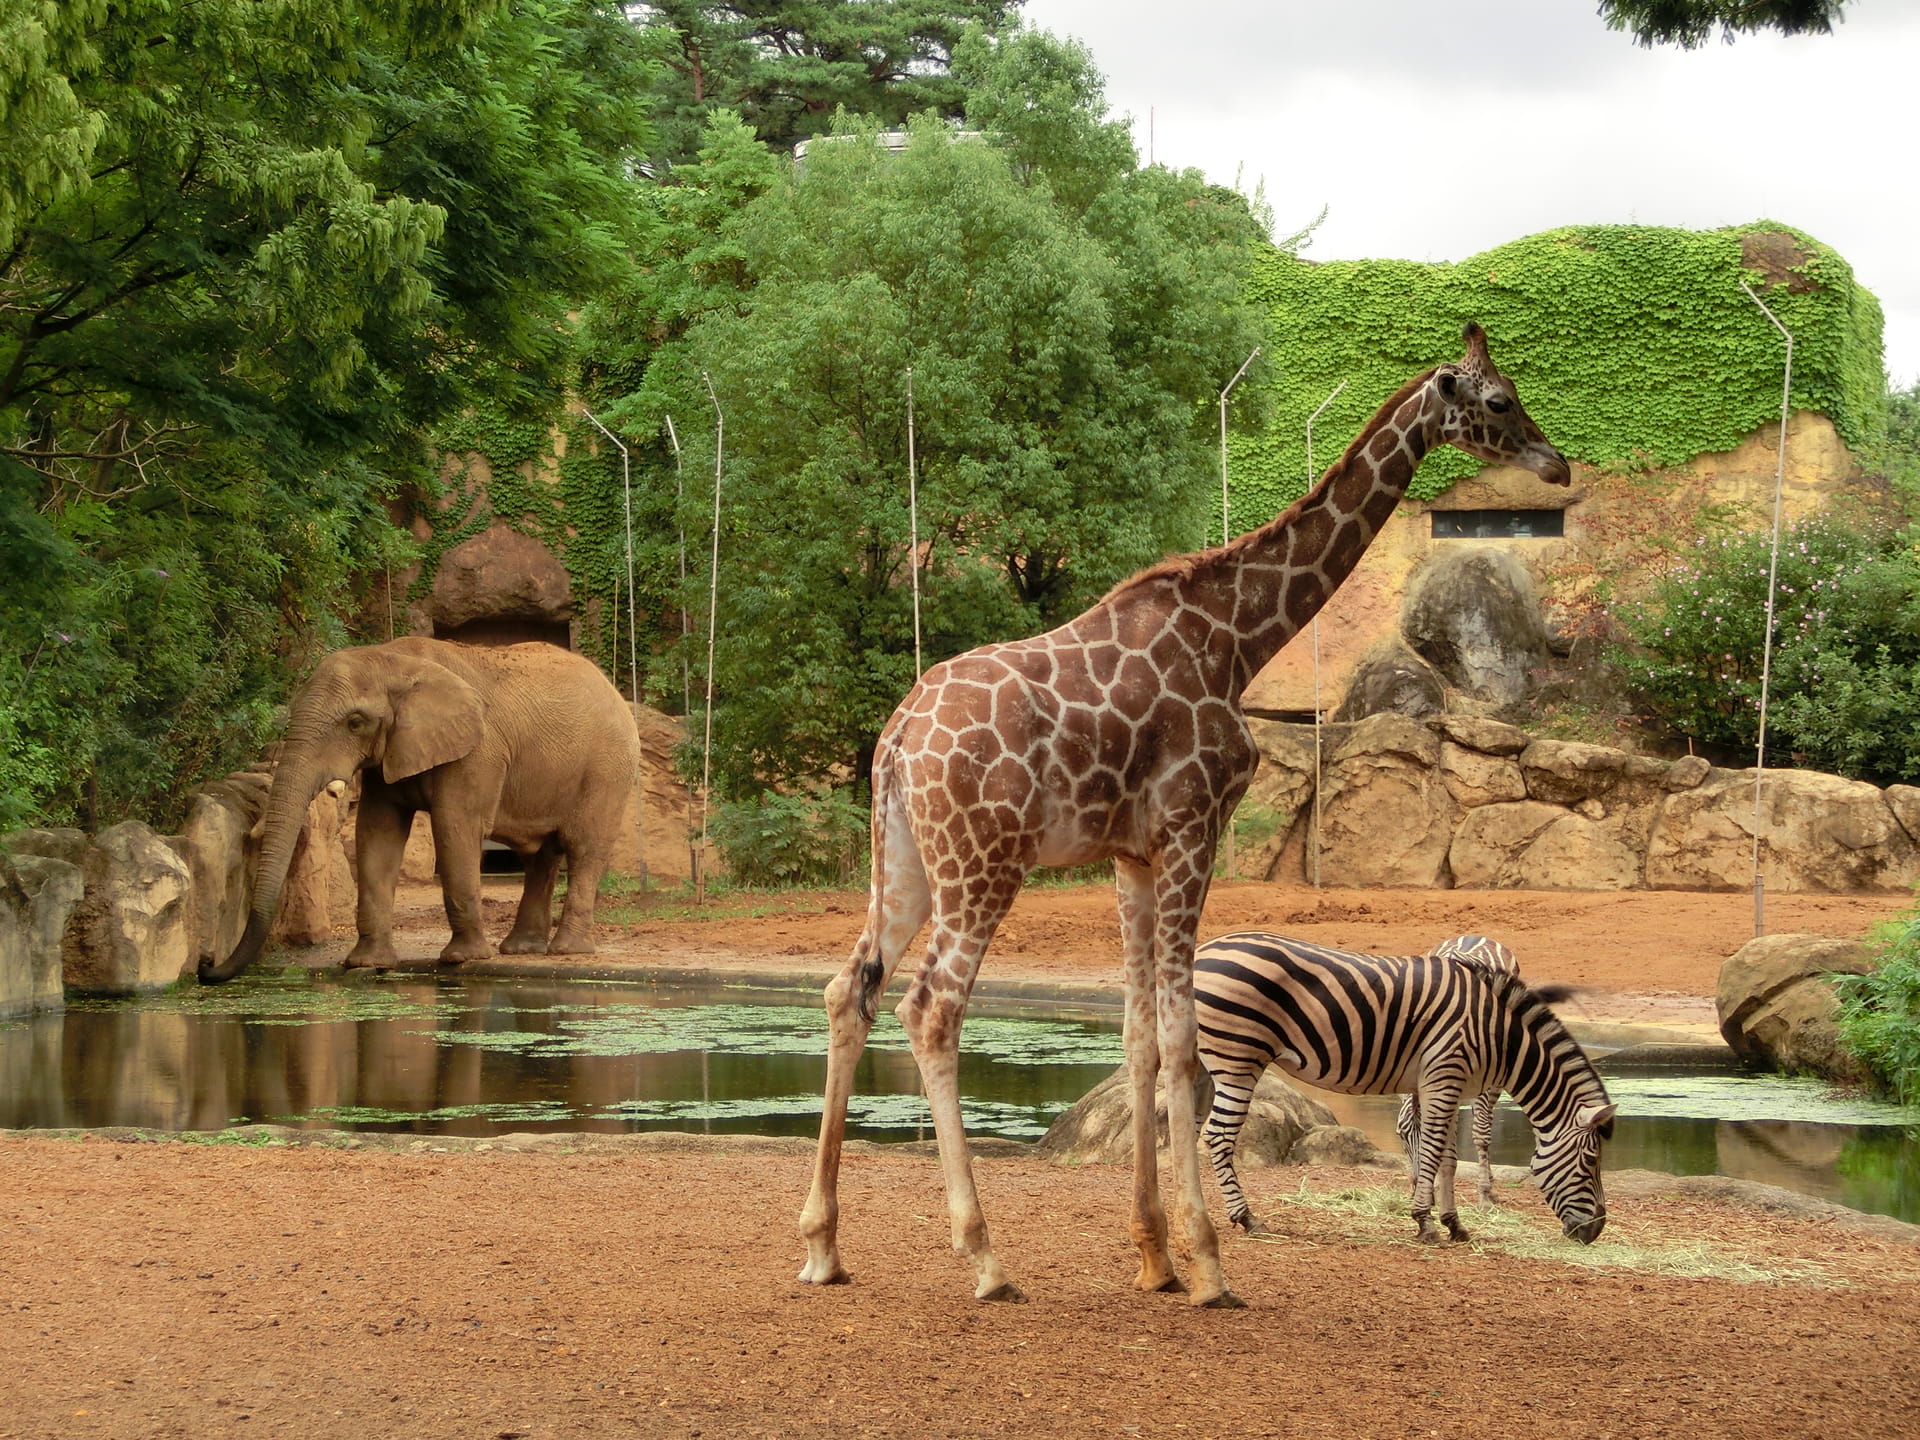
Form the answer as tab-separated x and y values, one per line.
1182	568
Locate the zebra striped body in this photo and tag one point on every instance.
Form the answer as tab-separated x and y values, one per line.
1496	959
1376	1024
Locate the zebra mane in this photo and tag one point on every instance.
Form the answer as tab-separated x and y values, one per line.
1532	1009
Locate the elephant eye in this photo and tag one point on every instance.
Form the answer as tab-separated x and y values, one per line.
356	722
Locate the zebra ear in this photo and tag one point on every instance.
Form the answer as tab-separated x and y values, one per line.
1592	1117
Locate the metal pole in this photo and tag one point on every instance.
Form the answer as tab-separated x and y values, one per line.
1226	534
680	524
1313	833
913	523
713	612
1773	573
633	643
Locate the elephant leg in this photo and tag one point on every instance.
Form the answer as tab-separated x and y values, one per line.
380	833
535	916
457	842
585	870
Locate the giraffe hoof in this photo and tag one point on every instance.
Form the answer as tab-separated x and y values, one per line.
1172	1285
1225	1300
824	1276
1006	1293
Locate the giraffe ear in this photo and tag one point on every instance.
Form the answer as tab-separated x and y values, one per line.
1476	339
1449	384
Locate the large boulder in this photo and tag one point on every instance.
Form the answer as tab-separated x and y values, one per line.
1817	832
1474	777
1776	1002
1568	772
216	844
1390	679
1386	817
1282	787
38	895
1098	1129
1472	613
500	574
314	875
1528	845
133	931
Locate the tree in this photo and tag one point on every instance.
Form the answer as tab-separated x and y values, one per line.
1691	23
248	254
1064	358
786	66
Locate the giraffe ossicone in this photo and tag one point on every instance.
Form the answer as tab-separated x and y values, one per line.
1117	735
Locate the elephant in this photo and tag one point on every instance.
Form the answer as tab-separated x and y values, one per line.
526	744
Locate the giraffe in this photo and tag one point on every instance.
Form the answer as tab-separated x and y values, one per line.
1119	735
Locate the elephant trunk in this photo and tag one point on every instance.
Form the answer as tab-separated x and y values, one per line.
296	781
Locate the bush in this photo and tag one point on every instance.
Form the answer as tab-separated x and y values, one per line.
775	841
1846	659
1879	1014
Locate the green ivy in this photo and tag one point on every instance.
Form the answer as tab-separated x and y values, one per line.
1632	346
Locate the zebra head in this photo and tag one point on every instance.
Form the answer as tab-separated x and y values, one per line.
1566	1166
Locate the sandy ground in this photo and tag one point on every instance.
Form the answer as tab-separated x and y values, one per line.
509	1293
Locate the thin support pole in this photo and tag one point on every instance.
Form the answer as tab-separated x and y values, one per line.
1226	534
1226	531
633	642
713	614
1313	833
1773	575
913	524
680	525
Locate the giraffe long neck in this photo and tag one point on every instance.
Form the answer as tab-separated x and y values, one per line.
1267	584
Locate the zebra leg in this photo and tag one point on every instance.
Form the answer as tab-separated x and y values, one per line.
1434	1160
1407	1125
1232	1096
1483	1104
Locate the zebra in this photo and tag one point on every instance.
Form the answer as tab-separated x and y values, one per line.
1375	1024
1496	959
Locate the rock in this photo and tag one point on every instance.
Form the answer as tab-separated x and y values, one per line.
1390	679
306	897
1386	817
1474	778
500	574
1340	1145
1282	787
1490	737
1528	845
215	843
133	929
1689	770
1473	614
1777	1003
68	845
1904	802
1817	832
1566	772
1098	1130
38	895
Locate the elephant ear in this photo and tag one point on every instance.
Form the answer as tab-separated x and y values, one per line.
438	718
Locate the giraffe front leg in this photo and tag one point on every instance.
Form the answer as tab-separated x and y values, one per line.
1147	1227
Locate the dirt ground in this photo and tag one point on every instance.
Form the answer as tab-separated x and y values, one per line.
527	1292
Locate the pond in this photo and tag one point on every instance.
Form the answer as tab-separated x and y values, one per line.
482	1057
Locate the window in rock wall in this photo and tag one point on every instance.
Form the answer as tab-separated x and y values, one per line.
1499	524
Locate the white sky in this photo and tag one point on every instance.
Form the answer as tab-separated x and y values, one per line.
1434	129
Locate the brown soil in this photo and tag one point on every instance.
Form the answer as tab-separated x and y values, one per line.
219	1291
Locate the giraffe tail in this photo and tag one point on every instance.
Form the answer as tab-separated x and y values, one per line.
873	967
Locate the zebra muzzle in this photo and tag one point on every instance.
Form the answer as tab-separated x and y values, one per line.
1588	1230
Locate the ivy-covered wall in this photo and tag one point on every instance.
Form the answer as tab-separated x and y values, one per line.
1632	346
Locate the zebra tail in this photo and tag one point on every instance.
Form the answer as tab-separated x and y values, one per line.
1555	994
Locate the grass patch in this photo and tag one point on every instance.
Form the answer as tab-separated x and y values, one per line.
1384	1213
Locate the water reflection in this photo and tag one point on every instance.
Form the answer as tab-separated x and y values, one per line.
484	1057
481	1057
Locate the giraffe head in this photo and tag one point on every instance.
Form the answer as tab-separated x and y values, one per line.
1484	416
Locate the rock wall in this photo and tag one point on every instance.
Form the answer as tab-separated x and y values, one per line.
1462	801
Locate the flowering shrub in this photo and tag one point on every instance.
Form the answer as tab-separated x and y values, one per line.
1846	660
1879	1014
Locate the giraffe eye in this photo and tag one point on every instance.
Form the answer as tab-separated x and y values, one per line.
1499	404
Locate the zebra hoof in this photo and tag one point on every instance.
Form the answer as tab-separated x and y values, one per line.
1250	1223
1431	1234
1456	1232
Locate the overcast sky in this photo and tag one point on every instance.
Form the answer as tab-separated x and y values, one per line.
1436	130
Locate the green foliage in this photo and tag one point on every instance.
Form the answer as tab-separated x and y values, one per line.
786	66
1061	361
1691	23
1879	1016
1631	346
1846	648
774	841
248	253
